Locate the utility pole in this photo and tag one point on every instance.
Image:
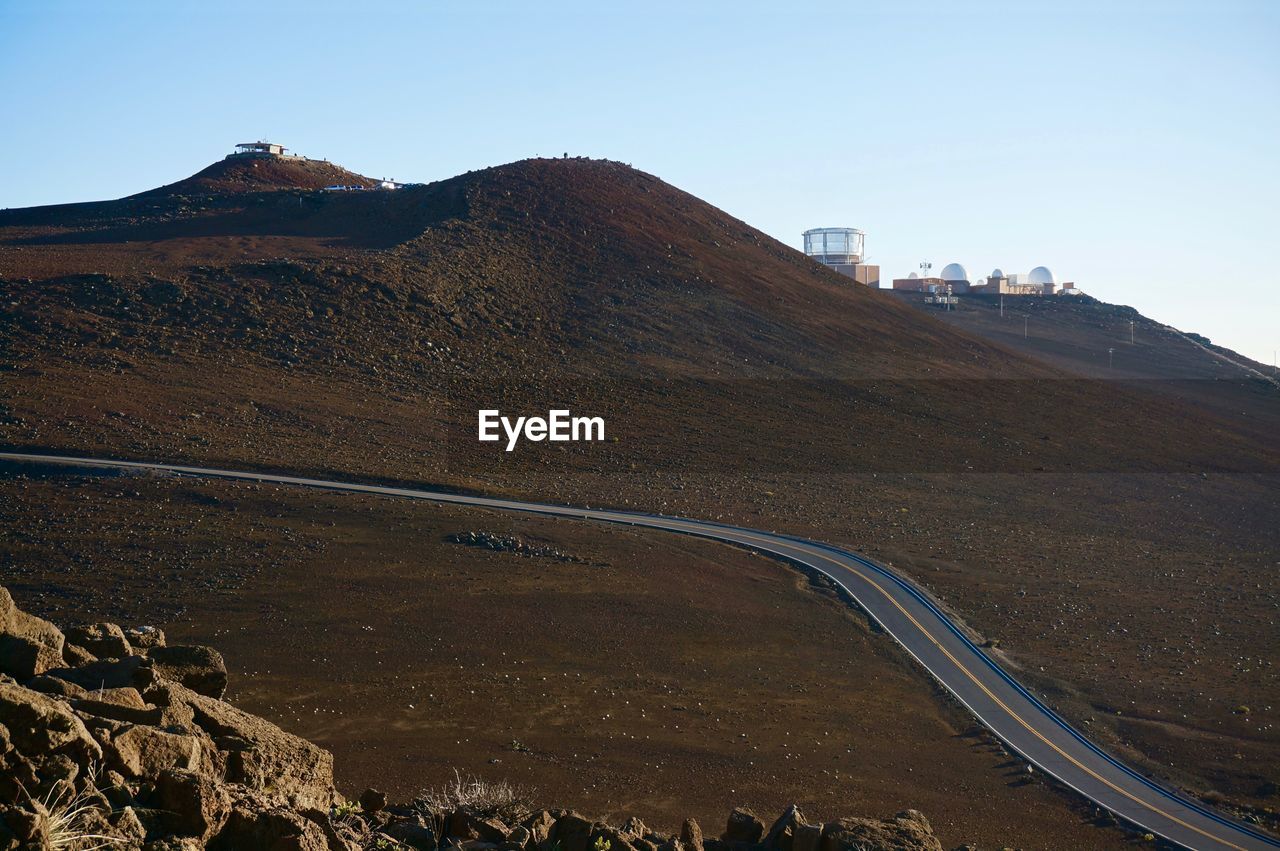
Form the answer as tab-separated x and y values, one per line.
1110	353
1131	332
1024	327
1002	305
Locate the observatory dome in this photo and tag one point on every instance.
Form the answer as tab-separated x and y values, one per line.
997	273
912	276
1041	275
954	272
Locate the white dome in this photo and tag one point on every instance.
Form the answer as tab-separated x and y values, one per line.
954	272
996	273
912	276
1041	275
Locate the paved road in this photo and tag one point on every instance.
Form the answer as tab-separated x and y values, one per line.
1004	707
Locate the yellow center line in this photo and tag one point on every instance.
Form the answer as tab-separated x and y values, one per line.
984	688
771	543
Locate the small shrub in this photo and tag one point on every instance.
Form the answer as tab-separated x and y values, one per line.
482	798
345	809
66	821
347	821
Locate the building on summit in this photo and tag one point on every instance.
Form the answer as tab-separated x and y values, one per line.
1039	281
842	249
955	279
259	149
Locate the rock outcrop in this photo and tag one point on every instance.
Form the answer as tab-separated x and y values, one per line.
110	738
28	645
111	733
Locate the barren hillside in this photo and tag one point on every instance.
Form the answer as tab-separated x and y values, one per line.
358	333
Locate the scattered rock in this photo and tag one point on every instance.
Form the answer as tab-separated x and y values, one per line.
55	686
372	801
907	830
134	733
416	836
573	832
807	837
104	640
258	754
39	725
119	704
129	672
782	835
252	825
140	751
75	655
539	825
743	826
28	645
201	669
690	835
145	637
192	804
634	828
509	544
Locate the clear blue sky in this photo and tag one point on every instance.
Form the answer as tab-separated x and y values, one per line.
1133	147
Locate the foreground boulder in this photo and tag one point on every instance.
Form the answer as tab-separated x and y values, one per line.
127	740
28	644
142	749
200	669
743	827
908	830
256	753
104	640
40	726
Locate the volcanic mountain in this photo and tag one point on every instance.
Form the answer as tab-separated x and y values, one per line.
240	173
266	324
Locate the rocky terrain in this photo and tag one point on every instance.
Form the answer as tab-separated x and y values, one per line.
669	685
237	174
1118	541
1099	341
509	544
112	738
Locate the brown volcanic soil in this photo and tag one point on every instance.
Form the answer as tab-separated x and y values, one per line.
1075	333
1120	539
239	174
661	676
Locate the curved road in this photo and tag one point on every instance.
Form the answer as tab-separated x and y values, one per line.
1026	726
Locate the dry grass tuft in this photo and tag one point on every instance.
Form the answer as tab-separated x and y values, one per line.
66	820
474	795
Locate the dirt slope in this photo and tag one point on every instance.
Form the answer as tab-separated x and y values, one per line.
237	174
359	333
1116	343
656	676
